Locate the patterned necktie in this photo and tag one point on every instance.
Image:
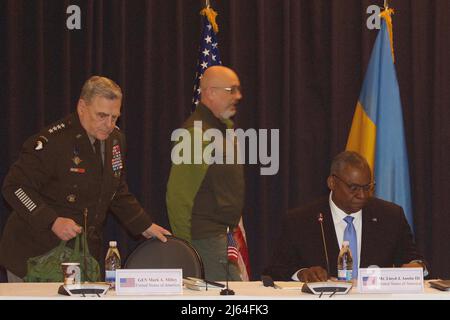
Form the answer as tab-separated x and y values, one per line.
350	236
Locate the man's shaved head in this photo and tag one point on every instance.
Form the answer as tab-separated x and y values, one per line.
220	91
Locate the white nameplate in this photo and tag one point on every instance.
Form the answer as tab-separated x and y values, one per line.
390	280
149	281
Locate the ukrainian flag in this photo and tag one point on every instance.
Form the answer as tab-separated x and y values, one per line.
377	130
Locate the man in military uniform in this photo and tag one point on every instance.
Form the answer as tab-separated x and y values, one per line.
73	167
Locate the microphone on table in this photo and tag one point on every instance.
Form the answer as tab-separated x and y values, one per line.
320	219
331	287
227	291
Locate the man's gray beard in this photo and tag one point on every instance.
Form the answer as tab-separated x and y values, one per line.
227	114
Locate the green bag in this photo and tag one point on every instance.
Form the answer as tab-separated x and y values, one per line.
47	267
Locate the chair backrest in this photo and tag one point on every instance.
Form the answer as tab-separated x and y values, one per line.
173	254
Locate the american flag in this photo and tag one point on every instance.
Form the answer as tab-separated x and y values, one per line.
369	281
243	260
208	54
127	283
232	250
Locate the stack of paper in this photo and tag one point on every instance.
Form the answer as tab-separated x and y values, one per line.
201	284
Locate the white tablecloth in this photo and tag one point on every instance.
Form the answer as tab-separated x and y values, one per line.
243	291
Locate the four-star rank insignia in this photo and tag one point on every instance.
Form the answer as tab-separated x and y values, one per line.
56	128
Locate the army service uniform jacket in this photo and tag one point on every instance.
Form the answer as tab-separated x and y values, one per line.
58	174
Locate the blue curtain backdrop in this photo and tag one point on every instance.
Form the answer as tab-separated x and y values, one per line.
301	64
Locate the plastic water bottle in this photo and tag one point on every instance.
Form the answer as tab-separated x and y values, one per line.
345	262
112	262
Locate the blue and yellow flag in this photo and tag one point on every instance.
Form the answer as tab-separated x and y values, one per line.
377	130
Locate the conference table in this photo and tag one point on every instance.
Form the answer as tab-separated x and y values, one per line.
253	290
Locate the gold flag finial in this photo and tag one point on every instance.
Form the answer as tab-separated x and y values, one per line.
386	15
211	15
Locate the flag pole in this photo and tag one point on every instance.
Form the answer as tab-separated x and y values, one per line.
208	4
386	4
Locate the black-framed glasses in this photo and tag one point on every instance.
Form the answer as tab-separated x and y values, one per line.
354	188
231	90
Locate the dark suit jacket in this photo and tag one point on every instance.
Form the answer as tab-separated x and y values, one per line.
386	239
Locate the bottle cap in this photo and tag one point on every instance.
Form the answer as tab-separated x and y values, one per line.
113	243
345	243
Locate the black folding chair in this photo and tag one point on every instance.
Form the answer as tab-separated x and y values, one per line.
176	253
